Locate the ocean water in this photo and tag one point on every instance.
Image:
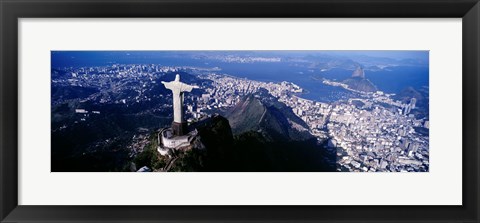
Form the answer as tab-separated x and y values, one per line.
392	80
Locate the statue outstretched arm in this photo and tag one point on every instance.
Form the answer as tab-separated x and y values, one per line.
168	85
188	88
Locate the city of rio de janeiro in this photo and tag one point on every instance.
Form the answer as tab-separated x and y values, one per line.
240	111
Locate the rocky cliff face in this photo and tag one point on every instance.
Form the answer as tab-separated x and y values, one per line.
264	114
359	82
359	72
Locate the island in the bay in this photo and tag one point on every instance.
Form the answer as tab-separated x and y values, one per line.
240	111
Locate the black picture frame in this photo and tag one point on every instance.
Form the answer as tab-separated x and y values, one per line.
11	11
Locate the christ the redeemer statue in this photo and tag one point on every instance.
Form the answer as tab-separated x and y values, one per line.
179	126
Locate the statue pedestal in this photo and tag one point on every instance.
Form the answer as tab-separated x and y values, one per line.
179	129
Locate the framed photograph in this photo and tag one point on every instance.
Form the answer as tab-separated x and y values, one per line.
262	111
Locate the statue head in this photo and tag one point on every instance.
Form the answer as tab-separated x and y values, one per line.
177	77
